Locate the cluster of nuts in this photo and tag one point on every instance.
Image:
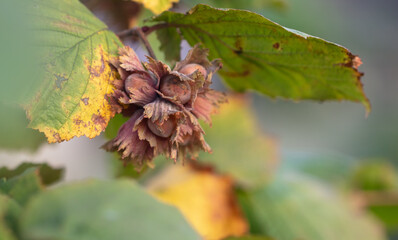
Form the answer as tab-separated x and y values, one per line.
164	106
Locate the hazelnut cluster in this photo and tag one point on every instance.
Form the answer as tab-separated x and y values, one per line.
164	106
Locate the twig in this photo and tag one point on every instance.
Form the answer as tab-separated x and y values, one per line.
145	29
127	33
144	40
138	32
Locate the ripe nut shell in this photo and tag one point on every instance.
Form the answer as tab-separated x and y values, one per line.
137	81
162	130
172	86
192	67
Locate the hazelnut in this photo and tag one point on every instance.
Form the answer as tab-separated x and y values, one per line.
162	130
172	86
135	82
192	67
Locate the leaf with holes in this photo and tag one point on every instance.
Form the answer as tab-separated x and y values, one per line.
261	55
75	48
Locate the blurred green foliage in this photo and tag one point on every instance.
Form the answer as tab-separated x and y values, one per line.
296	207
240	148
14	131
375	175
47	174
9	217
102	210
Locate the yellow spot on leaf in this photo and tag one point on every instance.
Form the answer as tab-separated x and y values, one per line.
157	6
92	111
204	198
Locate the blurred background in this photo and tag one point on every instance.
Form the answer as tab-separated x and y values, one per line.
324	140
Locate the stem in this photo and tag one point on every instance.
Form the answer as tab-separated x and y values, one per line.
127	33
149	30
145	29
144	40
138	32
142	32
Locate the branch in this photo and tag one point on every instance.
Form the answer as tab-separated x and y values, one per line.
144	40
139	32
145	29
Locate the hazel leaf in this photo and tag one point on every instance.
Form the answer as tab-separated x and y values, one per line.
170	41
22	187
294	206
9	216
261	55
102	210
77	78
200	196
47	174
157	6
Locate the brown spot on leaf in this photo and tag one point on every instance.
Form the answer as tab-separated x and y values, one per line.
77	121
240	51
85	101
57	137
97	71
98	120
239	45
74	20
237	74
68	27
276	46
59	80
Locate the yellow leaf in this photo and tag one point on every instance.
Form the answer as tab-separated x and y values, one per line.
75	48
204	198
92	113
157	6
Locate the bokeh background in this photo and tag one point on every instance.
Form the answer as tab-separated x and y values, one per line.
323	139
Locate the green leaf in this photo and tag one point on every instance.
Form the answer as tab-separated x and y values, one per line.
375	176
9	213
256	5
239	148
294	207
387	214
22	187
47	174
102	210
261	55
18	59
170	41
75	48
333	169
14	131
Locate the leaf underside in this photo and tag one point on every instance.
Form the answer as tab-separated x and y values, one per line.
261	55
75	48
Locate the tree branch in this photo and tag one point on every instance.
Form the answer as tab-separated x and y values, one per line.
139	33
